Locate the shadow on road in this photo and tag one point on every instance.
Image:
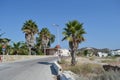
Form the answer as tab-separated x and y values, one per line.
51	67
45	63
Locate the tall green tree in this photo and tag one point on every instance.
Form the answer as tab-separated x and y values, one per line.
74	32
52	39
30	28
45	38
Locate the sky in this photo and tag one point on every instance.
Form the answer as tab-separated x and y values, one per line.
100	18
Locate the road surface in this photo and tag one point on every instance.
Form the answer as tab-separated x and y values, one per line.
36	69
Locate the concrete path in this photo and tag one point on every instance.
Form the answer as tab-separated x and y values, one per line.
35	69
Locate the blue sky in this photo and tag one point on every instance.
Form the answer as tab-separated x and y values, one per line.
101	19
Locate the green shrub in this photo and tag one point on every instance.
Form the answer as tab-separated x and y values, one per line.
39	52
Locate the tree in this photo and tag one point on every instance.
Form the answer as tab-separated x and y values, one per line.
19	48
16	48
4	40
30	29
24	49
45	38
74	34
5	45
52	39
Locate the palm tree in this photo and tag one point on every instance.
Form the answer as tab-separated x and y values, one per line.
19	48
4	40
74	34
30	29
38	42
16	47
5	44
45	38
24	49
52	39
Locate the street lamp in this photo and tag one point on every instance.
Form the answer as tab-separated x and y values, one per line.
57	32
59	56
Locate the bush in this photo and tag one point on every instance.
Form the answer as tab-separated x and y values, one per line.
39	52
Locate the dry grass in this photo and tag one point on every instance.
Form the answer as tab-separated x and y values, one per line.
108	61
11	58
86	66
111	75
84	69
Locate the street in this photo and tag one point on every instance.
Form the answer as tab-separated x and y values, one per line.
35	69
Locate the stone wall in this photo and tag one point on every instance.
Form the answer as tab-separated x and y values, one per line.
11	58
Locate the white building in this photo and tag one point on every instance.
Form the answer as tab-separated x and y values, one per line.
115	52
100	54
63	52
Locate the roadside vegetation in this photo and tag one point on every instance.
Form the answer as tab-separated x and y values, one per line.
88	69
87	66
74	34
32	46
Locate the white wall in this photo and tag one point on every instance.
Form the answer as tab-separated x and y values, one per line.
64	52
102	54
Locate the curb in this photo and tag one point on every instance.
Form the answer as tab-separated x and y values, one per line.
66	75
57	68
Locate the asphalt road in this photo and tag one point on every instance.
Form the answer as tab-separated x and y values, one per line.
36	69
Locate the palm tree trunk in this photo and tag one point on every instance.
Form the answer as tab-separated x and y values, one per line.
44	51
32	39
73	55
29	50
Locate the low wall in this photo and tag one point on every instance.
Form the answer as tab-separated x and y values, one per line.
57	68
11	58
